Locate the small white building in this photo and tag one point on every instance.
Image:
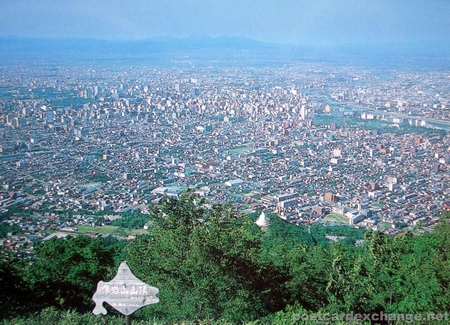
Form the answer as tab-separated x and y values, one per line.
262	220
234	182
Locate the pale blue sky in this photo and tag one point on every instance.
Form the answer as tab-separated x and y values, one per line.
288	21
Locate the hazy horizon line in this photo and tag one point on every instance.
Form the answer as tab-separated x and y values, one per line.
197	37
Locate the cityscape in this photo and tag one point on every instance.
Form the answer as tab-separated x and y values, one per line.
224	162
311	143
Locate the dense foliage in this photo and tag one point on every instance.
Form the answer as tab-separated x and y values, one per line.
132	220
64	275
5	229
213	264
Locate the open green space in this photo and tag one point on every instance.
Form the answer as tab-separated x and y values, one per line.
109	230
385	225
336	218
240	150
138	231
100	229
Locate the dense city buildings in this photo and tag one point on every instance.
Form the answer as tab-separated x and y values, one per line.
313	143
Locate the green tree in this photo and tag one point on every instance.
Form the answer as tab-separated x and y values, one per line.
5	229
348	287
14	290
404	272
67	271
205	261
308	276
441	258
132	220
416	288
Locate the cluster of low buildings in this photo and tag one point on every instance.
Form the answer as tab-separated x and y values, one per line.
116	141
414	92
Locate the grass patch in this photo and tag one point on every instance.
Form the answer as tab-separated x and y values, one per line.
336	218
385	225
138	231
109	230
240	150
104	230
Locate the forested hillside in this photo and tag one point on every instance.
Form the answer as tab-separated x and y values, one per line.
215	266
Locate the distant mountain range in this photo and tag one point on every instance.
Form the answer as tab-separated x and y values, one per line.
72	47
164	49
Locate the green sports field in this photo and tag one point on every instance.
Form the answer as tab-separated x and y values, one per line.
336	218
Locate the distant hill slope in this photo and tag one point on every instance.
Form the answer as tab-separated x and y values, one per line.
229	49
75	48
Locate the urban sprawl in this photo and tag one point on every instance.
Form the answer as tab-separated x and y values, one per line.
312	143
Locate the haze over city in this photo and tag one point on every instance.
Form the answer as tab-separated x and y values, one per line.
327	22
